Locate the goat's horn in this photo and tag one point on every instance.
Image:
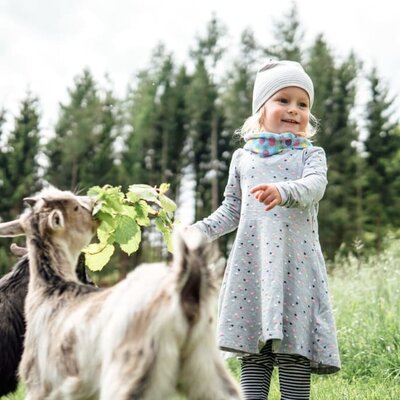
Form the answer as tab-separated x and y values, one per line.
18	250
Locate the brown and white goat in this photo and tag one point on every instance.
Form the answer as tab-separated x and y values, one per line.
13	291
145	338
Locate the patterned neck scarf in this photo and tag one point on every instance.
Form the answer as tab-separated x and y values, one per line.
267	144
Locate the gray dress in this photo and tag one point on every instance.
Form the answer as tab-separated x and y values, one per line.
275	284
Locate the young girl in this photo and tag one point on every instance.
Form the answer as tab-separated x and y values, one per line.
274	302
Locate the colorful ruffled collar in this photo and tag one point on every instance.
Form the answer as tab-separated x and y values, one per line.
266	144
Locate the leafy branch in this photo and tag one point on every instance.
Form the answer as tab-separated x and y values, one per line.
122	216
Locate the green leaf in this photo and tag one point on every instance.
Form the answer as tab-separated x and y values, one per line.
132	197
148	209
145	192
167	203
106	218
129	211
142	212
164	187
105	234
126	228
165	231
133	243
122	217
97	207
97	255
95	191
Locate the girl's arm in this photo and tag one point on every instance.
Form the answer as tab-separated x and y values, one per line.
302	192
311	186
226	218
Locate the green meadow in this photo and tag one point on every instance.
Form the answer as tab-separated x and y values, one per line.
366	298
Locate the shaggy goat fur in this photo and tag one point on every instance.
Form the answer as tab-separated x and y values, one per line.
145	338
13	290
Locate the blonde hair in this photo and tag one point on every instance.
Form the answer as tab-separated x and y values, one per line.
255	124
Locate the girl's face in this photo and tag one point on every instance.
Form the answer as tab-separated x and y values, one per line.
288	110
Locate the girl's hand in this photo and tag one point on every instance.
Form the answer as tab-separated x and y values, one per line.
267	194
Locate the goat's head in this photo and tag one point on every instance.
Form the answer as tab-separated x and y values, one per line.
57	215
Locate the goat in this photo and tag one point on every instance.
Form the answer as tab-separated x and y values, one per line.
13	290
144	338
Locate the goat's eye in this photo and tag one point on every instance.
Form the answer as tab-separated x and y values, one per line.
76	208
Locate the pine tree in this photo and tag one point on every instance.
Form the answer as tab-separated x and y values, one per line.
289	36
238	87
178	126
19	167
382	146
81	154
205	117
322	70
2	150
340	218
157	122
157	128
102	168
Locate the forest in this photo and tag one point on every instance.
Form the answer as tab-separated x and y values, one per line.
177	125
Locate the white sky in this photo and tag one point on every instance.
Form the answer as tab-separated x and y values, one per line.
44	44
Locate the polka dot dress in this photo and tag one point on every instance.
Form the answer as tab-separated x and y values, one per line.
275	284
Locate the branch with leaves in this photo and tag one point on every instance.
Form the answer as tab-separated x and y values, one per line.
122	216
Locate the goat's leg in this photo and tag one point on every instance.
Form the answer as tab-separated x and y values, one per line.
30	377
144	372
205	376
35	394
70	389
126	376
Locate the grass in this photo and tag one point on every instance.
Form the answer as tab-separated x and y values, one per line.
18	395
366	298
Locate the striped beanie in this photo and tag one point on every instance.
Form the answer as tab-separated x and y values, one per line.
276	75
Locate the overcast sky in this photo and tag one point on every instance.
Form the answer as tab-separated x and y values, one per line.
44	44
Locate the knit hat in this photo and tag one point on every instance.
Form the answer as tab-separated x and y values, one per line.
276	75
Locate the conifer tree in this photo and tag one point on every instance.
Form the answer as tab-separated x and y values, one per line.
382	147
205	117
238	87
19	159
19	167
157	122
157	128
340	213
288	35
81	154
2	150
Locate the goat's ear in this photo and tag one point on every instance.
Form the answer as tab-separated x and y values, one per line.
31	201
56	220
11	229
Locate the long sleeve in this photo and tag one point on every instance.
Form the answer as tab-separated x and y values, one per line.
311	186
226	218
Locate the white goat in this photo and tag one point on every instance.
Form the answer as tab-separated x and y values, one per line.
145	338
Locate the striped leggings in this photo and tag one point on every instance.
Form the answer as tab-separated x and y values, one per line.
256	373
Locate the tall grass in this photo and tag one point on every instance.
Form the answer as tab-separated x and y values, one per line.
367	307
366	299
